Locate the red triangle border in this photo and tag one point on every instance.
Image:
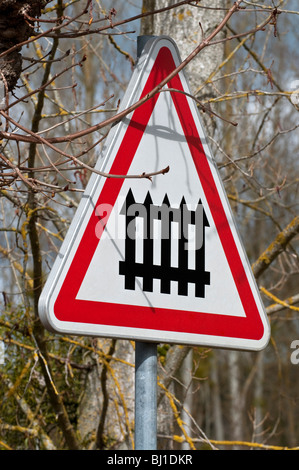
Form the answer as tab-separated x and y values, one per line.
68	309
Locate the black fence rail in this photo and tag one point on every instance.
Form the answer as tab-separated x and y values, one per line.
147	270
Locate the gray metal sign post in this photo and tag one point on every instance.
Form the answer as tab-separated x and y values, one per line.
145	396
145	373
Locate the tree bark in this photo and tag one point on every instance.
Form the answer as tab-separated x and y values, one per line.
16	26
186	25
276	247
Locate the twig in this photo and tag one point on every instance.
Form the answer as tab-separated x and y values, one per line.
41	35
75	159
208	41
204	108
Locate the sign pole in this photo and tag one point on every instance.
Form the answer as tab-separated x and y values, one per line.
145	372
145	396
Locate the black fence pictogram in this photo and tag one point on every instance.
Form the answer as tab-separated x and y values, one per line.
165	271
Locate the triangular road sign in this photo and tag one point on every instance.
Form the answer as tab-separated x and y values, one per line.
156	261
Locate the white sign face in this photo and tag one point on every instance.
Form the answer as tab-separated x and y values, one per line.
156	260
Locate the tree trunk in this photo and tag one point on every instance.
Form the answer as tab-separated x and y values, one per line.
16	26
236	405
216	400
186	26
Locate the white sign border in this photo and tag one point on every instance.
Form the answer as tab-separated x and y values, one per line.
84	210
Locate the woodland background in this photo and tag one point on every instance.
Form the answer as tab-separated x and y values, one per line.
64	67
